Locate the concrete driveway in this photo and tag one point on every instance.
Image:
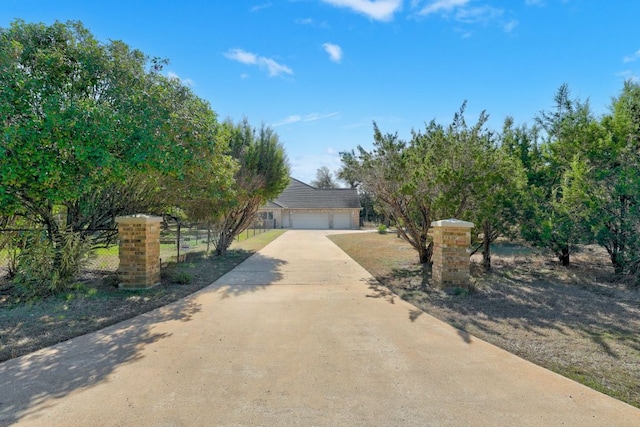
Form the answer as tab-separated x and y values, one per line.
293	336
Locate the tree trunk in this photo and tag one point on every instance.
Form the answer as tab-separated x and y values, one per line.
617	262
54	235
563	256
178	243
208	236
425	254
224	241
486	246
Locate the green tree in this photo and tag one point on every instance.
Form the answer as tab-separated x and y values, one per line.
263	173
498	195
324	179
469	176
349	173
82	120
442	172
70	120
618	226
383	173
603	182
205	179
550	221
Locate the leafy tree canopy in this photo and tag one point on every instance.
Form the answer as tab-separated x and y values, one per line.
262	174
442	172
324	179
80	117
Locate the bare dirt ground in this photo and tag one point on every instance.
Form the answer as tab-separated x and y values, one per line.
26	327
577	321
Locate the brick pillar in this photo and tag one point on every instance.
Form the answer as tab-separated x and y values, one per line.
451	239
139	249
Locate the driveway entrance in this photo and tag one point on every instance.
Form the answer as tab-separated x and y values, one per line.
293	336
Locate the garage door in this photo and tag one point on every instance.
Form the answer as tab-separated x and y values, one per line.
342	220
310	220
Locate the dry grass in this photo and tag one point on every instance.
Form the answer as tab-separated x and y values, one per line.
26	327
577	321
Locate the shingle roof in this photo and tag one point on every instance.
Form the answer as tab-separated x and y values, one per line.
272	204
299	195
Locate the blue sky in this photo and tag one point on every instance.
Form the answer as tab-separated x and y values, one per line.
321	71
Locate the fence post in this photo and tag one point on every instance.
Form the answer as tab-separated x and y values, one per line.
178	241
451	239
139	251
208	237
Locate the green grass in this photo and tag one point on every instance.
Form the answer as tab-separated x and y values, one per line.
111	250
257	242
196	243
250	234
602	381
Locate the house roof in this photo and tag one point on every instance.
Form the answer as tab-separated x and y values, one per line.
299	195
271	204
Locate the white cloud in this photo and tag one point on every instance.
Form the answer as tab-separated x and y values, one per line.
242	56
468	13
480	14
274	68
308	118
258	7
631	58
442	6
311	23
629	75
464	33
334	51
317	116
380	10
534	2
248	58
510	26
304	21
288	120
186	82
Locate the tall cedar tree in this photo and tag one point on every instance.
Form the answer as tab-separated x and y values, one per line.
263	174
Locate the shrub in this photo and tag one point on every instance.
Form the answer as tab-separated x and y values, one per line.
12	261
46	268
458	291
10	244
181	278
382	229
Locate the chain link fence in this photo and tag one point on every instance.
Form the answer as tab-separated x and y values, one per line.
178	242
100	261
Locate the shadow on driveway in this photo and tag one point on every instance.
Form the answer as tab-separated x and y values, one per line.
57	371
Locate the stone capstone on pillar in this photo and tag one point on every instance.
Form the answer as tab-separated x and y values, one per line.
451	240
139	249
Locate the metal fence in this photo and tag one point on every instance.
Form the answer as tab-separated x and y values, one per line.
101	261
178	243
